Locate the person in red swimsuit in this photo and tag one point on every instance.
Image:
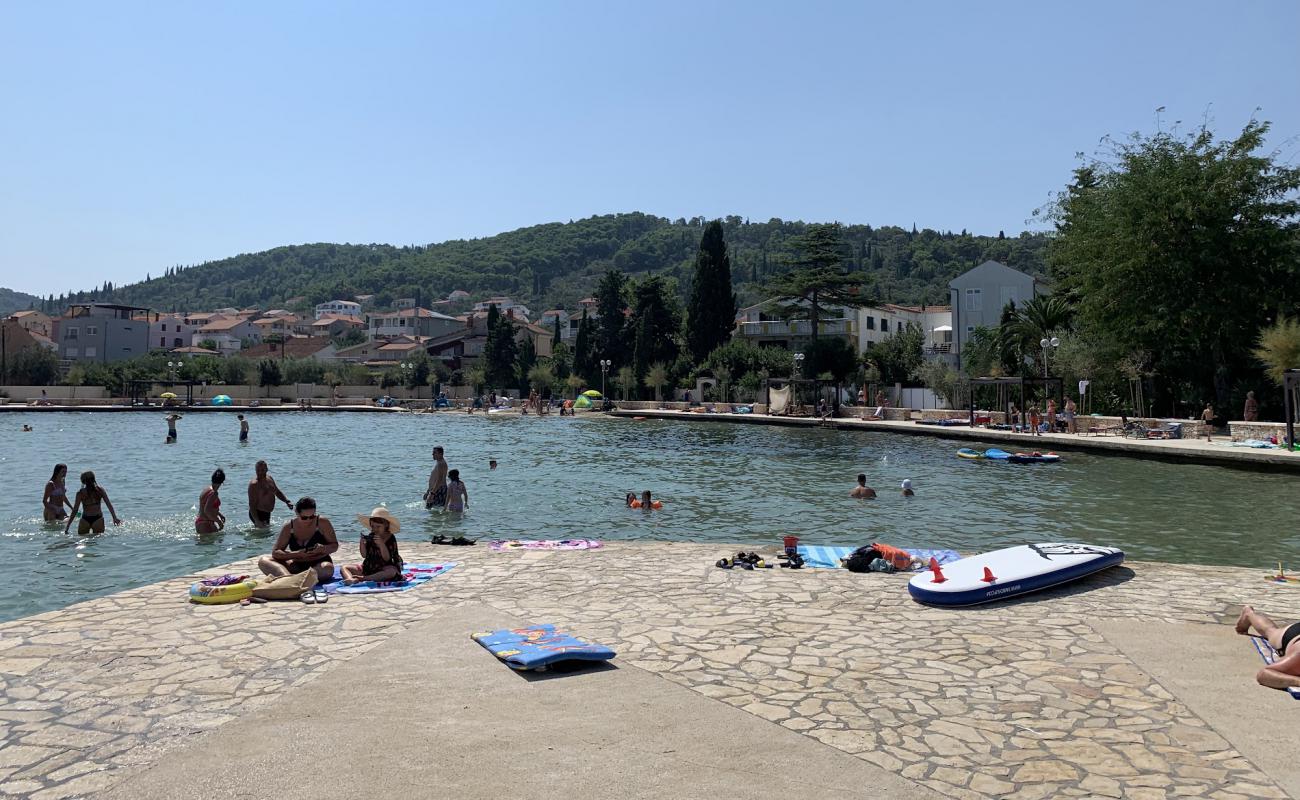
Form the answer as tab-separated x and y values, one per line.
210	518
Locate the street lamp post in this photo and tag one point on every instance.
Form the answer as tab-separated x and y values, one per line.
1046	344
172	366
798	371
408	375
605	364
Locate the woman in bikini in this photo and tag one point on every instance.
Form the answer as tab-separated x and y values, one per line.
89	497
304	543
210	518
380	560
1284	673
56	495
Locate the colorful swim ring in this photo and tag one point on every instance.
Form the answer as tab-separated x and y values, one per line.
220	595
655	504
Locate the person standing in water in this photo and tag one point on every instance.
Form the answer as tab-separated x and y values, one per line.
88	499
56	495
436	493
907	488
210	518
862	491
457	495
243	428
262	494
171	427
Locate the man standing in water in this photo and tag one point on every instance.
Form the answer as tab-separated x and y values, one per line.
243	428
262	492
171	427
435	496
862	491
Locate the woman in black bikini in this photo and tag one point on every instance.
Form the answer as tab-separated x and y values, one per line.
88	500
1284	673
380	560
210	518
304	543
56	495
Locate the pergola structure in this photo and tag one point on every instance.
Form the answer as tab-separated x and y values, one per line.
1291	402
1053	386
139	390
799	383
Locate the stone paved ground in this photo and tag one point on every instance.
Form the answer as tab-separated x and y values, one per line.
1020	699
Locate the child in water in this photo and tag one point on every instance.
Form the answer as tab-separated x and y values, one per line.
907	488
646	502
457	496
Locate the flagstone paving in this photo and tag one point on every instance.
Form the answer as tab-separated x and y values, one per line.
1015	700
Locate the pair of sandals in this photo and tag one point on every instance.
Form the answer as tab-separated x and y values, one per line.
459	540
744	561
313	596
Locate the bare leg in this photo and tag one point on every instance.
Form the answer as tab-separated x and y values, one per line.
1265	627
324	572
1276	680
272	567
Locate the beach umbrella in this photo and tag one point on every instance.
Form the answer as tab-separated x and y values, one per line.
591	393
222	400
168	395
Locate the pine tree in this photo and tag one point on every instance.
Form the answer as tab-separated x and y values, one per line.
611	330
657	319
711	312
818	278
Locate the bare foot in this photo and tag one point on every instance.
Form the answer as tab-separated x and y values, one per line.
1243	621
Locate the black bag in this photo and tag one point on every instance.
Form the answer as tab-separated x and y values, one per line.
860	560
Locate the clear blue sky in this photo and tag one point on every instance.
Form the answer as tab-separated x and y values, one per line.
136	136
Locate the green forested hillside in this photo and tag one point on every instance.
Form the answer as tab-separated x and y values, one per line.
557	263
11	301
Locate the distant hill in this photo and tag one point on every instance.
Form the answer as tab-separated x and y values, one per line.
11	301
556	264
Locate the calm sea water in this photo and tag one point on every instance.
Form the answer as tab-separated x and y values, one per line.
566	477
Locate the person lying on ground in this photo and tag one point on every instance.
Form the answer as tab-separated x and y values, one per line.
1284	673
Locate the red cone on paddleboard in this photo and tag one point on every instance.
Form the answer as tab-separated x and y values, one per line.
988	576
938	573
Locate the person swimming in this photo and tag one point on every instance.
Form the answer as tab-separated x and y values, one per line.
907	488
646	502
862	491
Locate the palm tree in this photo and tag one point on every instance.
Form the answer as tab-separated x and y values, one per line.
541	376
1278	347
656	378
724	382
1040	318
475	377
625	380
574	383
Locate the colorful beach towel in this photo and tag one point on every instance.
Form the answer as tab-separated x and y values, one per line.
413	575
537	646
828	557
498	545
1269	655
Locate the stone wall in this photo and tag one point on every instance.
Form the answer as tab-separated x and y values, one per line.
1241	431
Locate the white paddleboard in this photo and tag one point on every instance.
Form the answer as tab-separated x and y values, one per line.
1013	571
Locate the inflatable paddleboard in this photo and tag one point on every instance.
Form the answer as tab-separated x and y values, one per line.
995	453
1011	572
966	452
1033	458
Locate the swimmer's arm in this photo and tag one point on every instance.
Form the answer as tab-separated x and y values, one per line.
279	493
45	498
252	495
104	496
73	515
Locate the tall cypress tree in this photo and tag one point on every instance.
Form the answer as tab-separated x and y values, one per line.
582	348
611	327
656	322
711	311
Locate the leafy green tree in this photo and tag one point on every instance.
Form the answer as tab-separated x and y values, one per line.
33	366
1040	318
500	351
625	380
350	338
832	355
979	357
1278	348
541	377
899	357
656	377
944	381
741	357
1183	247
574	384
235	371
818	278
475	379
656	318
583	357
268	374
524	363
611	327
711	310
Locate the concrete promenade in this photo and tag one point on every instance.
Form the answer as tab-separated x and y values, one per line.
772	683
1193	451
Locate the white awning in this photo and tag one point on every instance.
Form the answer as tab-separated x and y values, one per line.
944	328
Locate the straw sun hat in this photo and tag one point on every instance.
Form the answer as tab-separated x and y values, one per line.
382	513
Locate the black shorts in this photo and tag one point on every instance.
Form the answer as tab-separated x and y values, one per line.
437	497
243	436
260	518
1288	636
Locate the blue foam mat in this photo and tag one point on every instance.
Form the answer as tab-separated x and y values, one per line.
828	556
537	646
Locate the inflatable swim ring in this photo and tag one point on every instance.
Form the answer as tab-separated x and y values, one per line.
655	504
220	595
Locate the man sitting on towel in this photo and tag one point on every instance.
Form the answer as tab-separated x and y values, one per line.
1284	673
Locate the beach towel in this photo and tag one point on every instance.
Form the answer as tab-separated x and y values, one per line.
1270	655
413	575
828	556
534	647
498	545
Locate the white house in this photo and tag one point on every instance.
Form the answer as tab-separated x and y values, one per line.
341	308
503	305
877	323
411	322
170	331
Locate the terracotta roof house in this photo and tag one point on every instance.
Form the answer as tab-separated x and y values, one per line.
297	347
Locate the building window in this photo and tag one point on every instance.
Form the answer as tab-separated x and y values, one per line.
90	352
871	323
177	342
92	330
71	333
974	300
70	352
162	341
884	325
164	327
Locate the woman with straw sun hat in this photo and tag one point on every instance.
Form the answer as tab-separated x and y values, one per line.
380	560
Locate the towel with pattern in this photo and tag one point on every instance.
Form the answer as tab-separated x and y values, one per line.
413	575
1270	655
498	545
828	556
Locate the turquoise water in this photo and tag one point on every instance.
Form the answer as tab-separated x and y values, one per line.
563	477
